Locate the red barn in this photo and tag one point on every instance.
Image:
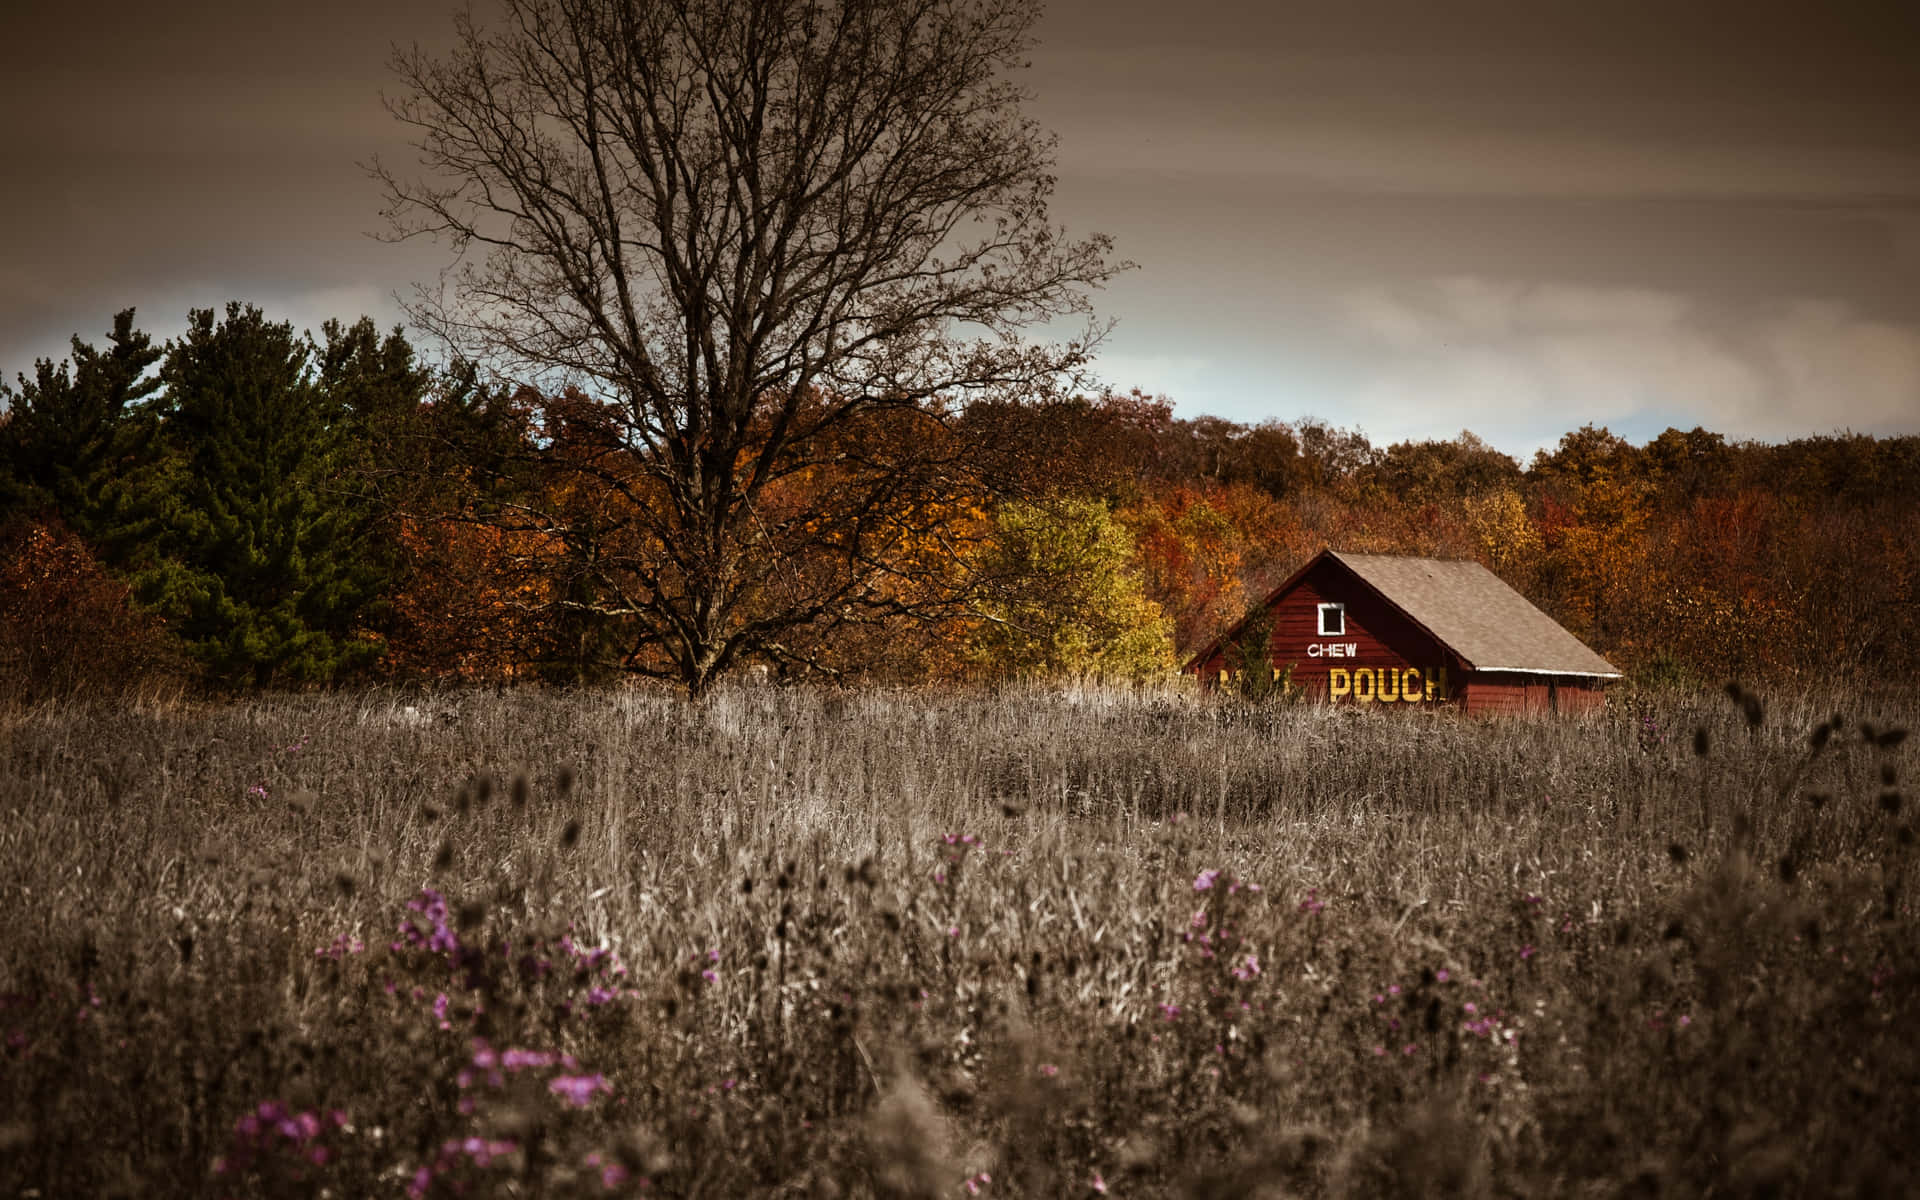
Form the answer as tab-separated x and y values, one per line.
1386	629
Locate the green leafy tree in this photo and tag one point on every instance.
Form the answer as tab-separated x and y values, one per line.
1067	600
259	557
373	386
73	432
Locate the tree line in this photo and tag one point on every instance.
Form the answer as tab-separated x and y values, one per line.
248	506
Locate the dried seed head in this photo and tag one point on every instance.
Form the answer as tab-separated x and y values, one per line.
519	791
1677	852
483	788
570	834
345	881
565	780
444	859
1701	743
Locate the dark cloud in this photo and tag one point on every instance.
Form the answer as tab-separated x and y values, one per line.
1277	169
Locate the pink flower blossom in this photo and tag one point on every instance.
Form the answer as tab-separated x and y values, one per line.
578	1090
1205	880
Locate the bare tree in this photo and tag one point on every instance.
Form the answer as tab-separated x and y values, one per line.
776	245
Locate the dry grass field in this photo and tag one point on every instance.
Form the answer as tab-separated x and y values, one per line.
794	943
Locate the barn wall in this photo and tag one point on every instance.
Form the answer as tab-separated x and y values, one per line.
1516	694
1378	642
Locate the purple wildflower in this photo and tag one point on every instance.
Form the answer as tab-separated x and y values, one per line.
578	1090
429	930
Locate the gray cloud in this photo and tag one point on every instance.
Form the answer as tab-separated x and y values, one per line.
1502	354
1405	215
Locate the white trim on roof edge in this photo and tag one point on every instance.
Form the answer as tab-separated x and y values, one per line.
1544	671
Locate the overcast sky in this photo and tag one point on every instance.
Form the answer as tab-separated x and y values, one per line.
1513	216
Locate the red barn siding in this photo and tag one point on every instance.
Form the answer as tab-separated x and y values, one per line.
1383	641
1516	692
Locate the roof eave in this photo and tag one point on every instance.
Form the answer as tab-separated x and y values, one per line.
1553	671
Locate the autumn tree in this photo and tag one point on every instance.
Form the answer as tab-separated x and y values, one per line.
1064	597
68	626
1424	472
740	227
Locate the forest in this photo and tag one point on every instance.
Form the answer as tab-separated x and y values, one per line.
248	506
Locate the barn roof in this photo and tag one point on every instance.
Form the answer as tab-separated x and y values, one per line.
1476	615
1467	608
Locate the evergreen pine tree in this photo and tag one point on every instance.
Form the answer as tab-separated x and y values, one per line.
260	561
74	433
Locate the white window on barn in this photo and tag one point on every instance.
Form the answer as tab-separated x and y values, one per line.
1333	620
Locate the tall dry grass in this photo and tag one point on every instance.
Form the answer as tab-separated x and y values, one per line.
919	944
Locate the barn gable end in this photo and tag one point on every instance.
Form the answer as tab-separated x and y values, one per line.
1416	632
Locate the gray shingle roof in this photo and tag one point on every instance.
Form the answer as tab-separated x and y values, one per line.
1483	620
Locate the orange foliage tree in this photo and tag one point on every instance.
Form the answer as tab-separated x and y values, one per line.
67	627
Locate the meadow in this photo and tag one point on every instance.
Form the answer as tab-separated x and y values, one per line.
914	943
